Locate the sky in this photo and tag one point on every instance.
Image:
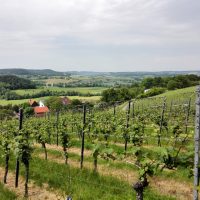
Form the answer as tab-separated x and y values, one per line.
100	35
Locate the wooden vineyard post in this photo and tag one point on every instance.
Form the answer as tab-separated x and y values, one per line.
128	114
133	109
196	143
89	120
127	125
187	116
161	121
170	109
114	109
72	120
57	119
83	135
142	108
17	161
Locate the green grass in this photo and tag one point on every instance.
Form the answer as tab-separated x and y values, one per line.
93	98
179	96
81	184
178	93
181	174
83	90
5	194
16	102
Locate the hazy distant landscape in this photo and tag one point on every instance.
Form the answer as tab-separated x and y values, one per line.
77	84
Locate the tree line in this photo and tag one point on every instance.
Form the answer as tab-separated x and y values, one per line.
10	82
171	83
14	82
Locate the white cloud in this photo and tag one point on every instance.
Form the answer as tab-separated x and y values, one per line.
35	27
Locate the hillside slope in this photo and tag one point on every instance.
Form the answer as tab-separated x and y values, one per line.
42	72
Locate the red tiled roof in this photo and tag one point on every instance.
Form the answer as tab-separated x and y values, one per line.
43	109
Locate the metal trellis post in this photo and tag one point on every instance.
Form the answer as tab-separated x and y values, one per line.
196	141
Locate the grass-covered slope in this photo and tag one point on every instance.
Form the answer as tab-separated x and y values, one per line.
5	194
178	93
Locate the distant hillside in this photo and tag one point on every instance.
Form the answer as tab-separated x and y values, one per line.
14	82
19	71
49	72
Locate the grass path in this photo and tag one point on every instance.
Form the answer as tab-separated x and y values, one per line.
122	174
178	189
84	184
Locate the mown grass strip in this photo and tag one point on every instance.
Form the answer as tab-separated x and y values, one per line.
6	194
81	184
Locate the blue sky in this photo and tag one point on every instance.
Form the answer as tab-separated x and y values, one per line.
100	35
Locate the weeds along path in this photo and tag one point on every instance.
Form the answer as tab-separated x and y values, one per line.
70	150
122	174
35	192
88	153
179	190
77	150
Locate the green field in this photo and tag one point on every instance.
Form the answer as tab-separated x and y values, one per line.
16	102
81	80
90	99
83	90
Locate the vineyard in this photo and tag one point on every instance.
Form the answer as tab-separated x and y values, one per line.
141	149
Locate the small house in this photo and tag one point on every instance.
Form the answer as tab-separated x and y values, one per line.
146	90
40	111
